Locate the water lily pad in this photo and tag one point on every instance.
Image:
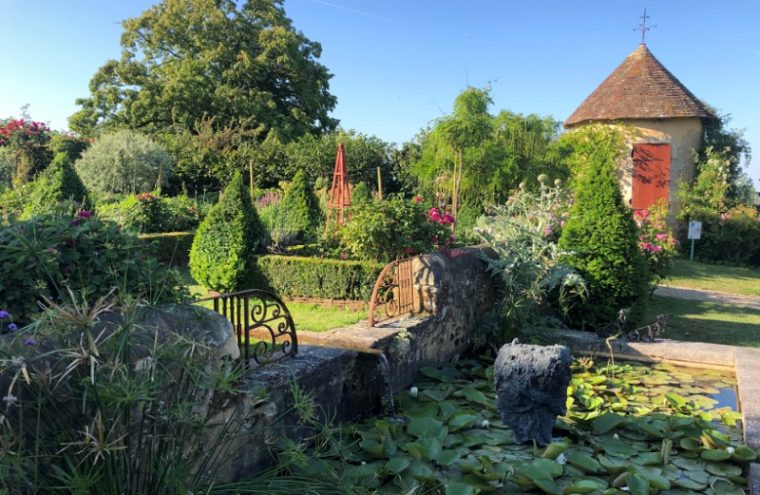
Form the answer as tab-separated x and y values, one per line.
397	464
426	426
457	488
461	421
638	484
744	454
447	457
583	461
607	422
723	469
715	454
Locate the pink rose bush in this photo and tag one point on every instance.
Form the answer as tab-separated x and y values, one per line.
656	241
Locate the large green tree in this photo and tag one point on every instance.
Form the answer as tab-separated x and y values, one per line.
182	60
472	157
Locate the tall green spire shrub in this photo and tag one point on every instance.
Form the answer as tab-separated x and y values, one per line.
57	189
300	208
602	238
221	257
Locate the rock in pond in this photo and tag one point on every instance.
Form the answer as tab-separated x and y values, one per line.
531	386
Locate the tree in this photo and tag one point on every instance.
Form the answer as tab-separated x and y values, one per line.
602	238
241	62
731	146
479	158
27	141
221	257
315	155
124	162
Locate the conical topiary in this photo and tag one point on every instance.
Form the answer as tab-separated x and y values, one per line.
602	240
221	257
300	208
57	189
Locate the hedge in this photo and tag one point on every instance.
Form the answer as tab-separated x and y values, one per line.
295	276
172	247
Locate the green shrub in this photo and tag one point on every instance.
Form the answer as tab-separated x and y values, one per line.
172	248
124	162
732	237
361	195
57	189
300	209
47	256
295	276
222	250
151	213
395	228
7	168
602	238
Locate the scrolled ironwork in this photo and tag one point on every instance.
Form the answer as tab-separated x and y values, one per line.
264	327
394	293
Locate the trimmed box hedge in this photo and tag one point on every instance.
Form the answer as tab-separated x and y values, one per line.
172	248
296	276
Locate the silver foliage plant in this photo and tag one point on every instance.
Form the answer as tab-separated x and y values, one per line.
124	162
537	287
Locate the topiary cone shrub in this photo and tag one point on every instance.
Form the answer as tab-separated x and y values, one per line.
221	257
57	189
300	209
601	237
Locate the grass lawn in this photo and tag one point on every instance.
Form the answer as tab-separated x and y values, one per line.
721	278
307	316
707	322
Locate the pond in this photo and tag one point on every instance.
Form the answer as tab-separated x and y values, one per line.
630	429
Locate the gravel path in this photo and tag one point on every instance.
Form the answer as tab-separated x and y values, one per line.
709	296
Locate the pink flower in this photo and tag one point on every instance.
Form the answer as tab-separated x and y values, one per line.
724	217
656	249
661	236
418	199
434	215
343	256
84	214
548	230
447	219
408	250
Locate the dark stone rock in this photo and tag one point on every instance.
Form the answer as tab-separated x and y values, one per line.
531	384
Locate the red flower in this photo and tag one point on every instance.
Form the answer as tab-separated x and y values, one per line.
408	250
418	199
84	214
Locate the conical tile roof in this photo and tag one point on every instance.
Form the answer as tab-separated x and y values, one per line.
640	88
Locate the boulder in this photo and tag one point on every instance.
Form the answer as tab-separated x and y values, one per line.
531	386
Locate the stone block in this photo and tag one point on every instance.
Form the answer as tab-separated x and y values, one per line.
531	385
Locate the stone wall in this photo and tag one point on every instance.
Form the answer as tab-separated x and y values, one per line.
340	368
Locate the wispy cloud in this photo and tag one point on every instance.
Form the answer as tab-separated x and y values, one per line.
355	11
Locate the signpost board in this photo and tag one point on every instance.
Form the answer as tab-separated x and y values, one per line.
695	233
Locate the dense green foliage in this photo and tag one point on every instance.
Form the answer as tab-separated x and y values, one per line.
602	238
124	162
730	230
242	63
361	195
537	287
46	257
480	158
172	248
395	228
731	147
300	210
58	188
27	142
295	276
221	257
151	213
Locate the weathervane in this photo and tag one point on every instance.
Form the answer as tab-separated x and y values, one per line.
643	27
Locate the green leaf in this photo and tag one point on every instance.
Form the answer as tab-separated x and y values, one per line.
397	464
607	422
461	421
457	488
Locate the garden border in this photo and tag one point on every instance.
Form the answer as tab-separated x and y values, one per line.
743	361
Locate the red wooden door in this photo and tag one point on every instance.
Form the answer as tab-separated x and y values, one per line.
651	174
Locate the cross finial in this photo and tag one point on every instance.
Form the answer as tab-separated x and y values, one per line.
643	27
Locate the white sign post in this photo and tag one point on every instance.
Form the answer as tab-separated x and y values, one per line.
695	232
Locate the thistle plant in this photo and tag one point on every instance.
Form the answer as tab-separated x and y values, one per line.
523	234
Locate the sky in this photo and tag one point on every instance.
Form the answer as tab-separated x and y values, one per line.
399	64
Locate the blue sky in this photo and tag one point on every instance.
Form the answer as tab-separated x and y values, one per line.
398	64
